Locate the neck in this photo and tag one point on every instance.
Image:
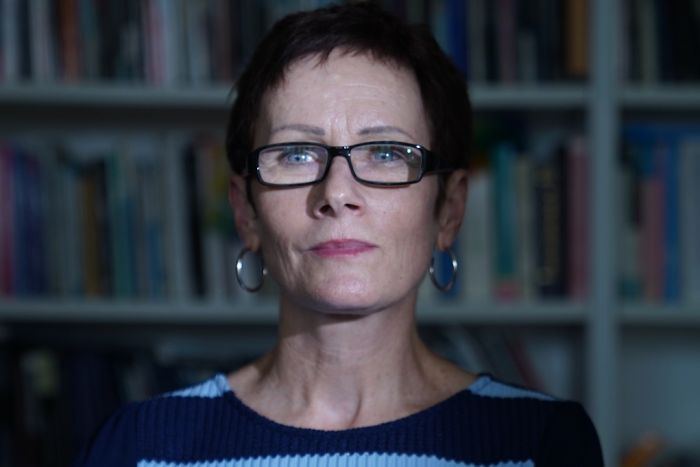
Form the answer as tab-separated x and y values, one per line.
340	371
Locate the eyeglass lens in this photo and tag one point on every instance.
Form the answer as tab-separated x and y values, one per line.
378	163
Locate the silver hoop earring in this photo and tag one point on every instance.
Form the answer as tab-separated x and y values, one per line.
239	272
453	277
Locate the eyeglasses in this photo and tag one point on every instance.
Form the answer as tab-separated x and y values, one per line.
384	163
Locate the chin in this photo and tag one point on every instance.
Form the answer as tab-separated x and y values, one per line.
349	302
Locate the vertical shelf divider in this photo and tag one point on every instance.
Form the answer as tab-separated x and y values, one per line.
603	121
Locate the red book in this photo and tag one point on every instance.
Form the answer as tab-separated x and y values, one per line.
577	166
7	202
70	40
652	207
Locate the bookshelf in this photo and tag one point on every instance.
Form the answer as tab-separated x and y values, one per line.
611	334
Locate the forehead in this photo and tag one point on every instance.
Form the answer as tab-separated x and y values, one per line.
347	89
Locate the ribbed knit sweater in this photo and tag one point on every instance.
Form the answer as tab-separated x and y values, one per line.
490	423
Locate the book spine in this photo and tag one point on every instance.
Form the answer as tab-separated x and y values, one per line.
477	39
505	30
117	199
576	31
457	33
476	239
504	159
577	219
90	232
647	41
7	220
90	39
690	229
196	37
525	226
652	224
36	254
671	265
171	38
526	43
21	222
70	40
550	224
9	41
629	240
40	45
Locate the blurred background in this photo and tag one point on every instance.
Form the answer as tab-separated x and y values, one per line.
580	253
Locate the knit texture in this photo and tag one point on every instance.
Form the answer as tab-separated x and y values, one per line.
488	424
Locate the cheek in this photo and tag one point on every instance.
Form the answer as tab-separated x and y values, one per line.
414	230
278	226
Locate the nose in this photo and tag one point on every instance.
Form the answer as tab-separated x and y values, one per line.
339	193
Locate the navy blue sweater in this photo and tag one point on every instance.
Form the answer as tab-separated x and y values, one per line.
488	424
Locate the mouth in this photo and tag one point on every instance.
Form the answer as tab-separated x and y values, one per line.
343	247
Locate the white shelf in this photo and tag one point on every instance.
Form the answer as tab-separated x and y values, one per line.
529	97
202	312
531	313
686	317
139	311
659	97
136	96
219	97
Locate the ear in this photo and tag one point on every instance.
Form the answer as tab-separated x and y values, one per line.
452	210
244	214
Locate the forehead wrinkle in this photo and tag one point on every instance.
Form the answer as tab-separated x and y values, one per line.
379	129
300	127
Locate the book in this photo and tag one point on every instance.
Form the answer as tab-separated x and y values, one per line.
576	30
577	230
549	181
525	226
476	240
507	286
689	169
7	216
9	41
664	175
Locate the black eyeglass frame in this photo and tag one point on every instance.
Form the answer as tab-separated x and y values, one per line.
430	162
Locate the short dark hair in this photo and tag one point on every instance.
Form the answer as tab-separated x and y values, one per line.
355	28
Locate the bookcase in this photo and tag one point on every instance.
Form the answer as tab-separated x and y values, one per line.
632	362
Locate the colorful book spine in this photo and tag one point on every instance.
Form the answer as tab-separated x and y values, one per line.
671	248
665	176
550	225
507	287
7	220
525	227
689	169
457	33
476	239
577	218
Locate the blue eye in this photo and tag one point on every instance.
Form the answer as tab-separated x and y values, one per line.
297	156
385	155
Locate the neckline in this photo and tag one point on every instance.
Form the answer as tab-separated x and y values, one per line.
229	395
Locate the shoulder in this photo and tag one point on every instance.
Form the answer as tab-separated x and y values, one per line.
554	431
150	428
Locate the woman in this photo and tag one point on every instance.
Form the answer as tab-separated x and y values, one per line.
348	239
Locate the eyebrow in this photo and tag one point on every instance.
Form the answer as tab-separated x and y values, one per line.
318	131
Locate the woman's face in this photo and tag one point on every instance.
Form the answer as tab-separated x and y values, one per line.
341	246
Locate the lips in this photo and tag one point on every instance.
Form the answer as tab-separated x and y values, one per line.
343	247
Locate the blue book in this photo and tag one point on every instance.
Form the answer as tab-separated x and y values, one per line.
505	216
667	151
457	33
